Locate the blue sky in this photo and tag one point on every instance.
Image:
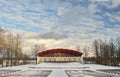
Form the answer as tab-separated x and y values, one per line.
61	23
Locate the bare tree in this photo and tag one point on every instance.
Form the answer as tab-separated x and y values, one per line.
2	46
13	49
10	48
86	51
78	48
96	48
25	57
107	53
112	51
38	48
118	51
18	50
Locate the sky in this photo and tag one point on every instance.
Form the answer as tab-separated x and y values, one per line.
60	23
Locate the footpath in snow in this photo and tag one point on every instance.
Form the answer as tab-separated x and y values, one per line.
58	73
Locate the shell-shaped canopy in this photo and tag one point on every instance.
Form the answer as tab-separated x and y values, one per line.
66	51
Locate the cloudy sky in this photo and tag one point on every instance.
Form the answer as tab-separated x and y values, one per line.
60	23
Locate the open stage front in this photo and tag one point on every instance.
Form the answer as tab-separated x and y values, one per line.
59	55
58	59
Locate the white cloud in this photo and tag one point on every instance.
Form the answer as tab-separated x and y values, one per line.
73	15
115	3
83	16
60	11
52	35
110	3
74	25
92	8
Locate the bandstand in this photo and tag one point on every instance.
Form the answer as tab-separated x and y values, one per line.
59	55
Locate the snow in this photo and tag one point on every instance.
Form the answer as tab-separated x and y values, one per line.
58	73
58	69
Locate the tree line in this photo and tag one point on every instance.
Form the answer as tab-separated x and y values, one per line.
107	52
11	49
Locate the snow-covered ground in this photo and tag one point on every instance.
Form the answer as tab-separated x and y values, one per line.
72	69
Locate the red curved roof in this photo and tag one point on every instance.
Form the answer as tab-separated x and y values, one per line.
67	51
